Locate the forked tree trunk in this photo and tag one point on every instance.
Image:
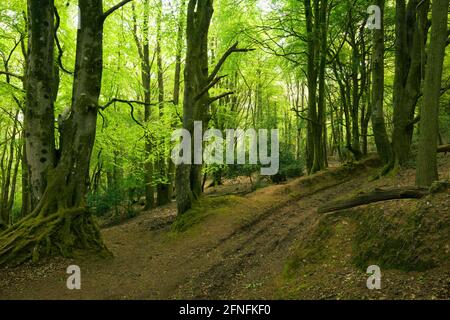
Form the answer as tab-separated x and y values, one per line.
61	223
411	37
197	100
188	176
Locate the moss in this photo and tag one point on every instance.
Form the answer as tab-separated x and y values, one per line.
201	210
393	240
64	233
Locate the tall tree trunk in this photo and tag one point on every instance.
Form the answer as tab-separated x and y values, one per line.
188	176
411	36
378	122
177	81
321	102
9	175
39	116
143	46
196	94
427	171
314	140
162	188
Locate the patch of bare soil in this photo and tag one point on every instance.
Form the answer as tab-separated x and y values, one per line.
239	251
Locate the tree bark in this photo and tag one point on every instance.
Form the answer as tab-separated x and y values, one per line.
315	26
177	83
188	176
375	196
162	188
411	36
39	115
143	46
427	171
378	122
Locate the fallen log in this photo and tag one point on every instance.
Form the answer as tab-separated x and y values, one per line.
444	148
377	195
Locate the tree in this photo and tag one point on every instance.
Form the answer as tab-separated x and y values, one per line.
40	89
316	26
198	82
427	171
61	223
163	187
143	46
378	122
411	35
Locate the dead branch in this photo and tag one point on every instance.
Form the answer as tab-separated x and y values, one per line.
377	195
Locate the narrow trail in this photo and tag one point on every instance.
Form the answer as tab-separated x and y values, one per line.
254	255
223	263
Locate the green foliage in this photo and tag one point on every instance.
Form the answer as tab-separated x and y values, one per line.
290	167
117	201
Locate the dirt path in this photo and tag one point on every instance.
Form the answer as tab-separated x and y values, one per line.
252	257
224	259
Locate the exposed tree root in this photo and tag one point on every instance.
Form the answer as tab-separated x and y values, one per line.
62	233
375	196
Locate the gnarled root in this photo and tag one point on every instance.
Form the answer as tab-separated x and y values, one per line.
64	232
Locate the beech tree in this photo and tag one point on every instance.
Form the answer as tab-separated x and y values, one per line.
427	170
378	118
60	222
198	82
411	26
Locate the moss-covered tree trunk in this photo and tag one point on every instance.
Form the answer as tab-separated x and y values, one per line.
378	122
411	36
61	224
427	171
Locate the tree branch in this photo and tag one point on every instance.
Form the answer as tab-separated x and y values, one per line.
223	95
12	75
232	49
116	7
126	101
299	114
58	44
209	86
129	103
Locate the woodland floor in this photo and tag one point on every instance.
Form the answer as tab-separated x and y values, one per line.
238	248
